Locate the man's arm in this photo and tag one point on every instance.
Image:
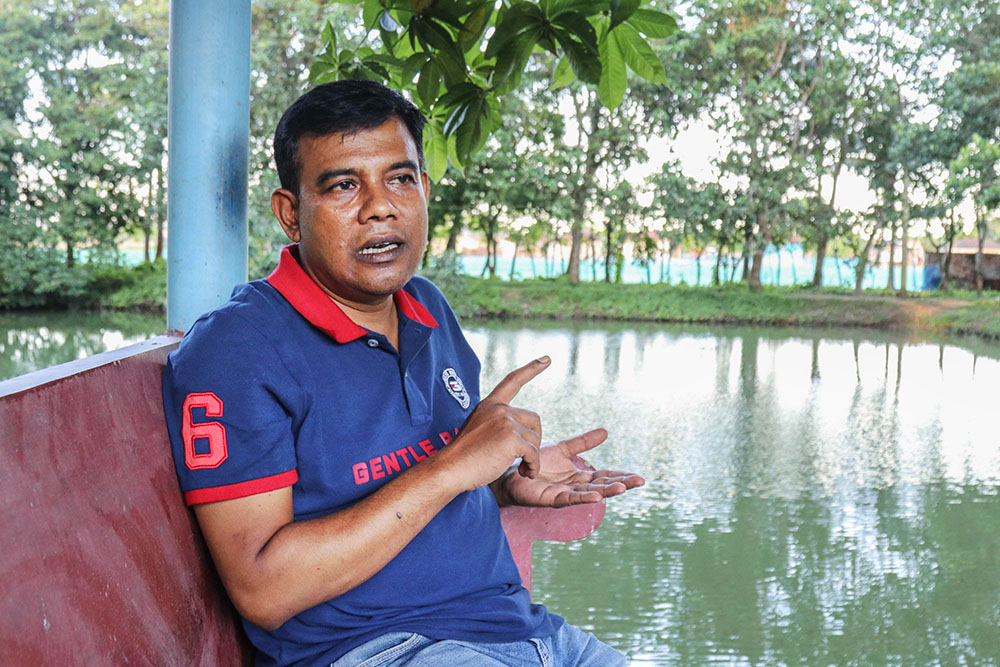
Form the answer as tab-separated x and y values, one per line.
275	567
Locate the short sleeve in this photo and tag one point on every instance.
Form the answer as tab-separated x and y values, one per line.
229	403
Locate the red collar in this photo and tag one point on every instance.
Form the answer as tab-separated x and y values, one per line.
305	296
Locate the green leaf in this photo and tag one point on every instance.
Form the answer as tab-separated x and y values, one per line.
563	75
374	70
449	56
453	156
470	135
653	24
512	61
579	41
347	2
521	19
345	56
585	61
554	8
474	26
429	83
578	25
325	77
621	10
639	55
614	75
370	13
328	36
435	152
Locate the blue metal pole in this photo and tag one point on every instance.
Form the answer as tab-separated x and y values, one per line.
208	144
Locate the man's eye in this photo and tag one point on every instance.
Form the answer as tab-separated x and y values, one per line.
342	185
404	178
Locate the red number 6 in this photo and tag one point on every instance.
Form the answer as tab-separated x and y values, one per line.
214	432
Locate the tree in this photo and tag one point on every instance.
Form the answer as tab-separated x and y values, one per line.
760	65
458	59
975	171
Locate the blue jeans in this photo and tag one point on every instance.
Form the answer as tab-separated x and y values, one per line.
569	647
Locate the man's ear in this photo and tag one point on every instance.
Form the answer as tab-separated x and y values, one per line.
426	183
285	206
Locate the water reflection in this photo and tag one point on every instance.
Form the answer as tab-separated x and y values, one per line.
813	498
35	340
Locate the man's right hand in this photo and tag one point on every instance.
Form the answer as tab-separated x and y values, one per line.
496	433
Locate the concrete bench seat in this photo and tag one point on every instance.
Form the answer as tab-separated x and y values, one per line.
101	561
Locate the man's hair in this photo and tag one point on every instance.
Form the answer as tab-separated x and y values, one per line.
343	107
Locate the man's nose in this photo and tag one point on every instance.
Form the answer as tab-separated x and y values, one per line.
378	205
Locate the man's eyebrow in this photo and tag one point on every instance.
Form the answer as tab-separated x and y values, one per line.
404	164
331	174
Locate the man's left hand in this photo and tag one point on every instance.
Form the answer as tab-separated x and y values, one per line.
564	478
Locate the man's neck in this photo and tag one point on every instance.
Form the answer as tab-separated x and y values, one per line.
381	318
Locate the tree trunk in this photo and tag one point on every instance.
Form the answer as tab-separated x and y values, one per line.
745	258
512	261
820	258
715	269
607	252
491	248
859	284
758	254
904	224
70	258
947	258
580	192
891	282
456	229
981	233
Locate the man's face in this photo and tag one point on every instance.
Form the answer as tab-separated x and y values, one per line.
361	214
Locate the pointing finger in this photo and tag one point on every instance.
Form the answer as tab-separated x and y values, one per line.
507	389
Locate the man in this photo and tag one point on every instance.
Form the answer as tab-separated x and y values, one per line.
327	429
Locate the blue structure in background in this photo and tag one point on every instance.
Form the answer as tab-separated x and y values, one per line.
209	141
932	277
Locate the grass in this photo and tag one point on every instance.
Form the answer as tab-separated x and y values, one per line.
953	312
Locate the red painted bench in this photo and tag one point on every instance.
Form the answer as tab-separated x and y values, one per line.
101	561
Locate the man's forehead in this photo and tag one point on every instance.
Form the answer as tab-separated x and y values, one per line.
392	134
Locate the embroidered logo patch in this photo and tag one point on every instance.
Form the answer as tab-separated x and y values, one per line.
454	385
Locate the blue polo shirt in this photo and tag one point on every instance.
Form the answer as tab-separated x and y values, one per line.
280	388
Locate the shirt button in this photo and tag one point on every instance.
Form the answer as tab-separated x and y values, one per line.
372	342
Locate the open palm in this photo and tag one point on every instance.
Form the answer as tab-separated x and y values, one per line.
566	479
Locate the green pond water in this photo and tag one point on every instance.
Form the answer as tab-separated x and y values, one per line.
813	497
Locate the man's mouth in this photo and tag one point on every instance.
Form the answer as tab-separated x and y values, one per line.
379	248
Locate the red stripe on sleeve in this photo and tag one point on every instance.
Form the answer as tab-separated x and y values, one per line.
241	489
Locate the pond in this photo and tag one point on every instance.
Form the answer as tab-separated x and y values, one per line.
813	497
30	341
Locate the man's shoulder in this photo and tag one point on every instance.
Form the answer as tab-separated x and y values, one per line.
252	317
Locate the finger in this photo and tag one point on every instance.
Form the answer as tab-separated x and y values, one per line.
508	387
530	463
604	490
527	419
575	497
629	479
584	442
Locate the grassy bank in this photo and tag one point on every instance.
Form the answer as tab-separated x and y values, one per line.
143	287
732	304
